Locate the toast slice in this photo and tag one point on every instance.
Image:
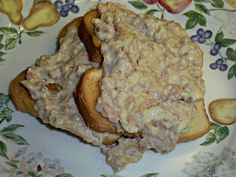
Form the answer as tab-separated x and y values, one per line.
88	92
23	102
86	97
19	94
223	111
88	37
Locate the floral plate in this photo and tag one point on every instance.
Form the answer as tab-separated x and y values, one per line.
29	148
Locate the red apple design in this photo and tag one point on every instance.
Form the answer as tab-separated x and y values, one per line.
174	6
151	1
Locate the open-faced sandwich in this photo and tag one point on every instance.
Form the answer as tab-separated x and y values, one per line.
122	81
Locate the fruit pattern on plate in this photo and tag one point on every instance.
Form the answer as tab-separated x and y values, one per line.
64	7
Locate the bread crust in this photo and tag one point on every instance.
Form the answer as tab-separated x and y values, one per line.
88	91
223	111
86	98
88	37
22	100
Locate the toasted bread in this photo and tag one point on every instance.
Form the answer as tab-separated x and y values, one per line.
199	126
223	111
86	97
23	101
20	95
88	37
88	92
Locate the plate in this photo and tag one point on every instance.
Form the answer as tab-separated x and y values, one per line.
30	148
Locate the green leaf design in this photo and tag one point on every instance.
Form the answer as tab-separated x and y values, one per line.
191	23
34	174
231	54
194	19
214	126
4	99
34	33
3	149
1	54
221	133
232	72
1	60
151	175
217	3
64	175
11	128
15	138
11	164
10	43
37	1
9	31
1	37
6	114
219	36
138	4
152	11
202	8
103	175
210	138
227	42
1	46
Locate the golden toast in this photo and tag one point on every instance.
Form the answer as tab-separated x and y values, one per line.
88	91
88	37
22	99
223	111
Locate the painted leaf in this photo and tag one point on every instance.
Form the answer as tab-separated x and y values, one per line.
37	1
12	128
15	138
1	60
191	14
152	11
3	149
227	42
11	164
6	113
1	46
202	8
232	72
151	175
1	54
231	54
219	36
217	3
214	126
10	43
64	175
210	138
32	173
191	23
138	4
9	31
34	33
201	20
4	99
1	37
221	133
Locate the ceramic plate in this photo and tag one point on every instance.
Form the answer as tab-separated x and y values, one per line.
30	148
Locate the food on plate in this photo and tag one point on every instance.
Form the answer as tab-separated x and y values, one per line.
41	14
223	111
88	37
13	9
145	92
175	6
52	94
